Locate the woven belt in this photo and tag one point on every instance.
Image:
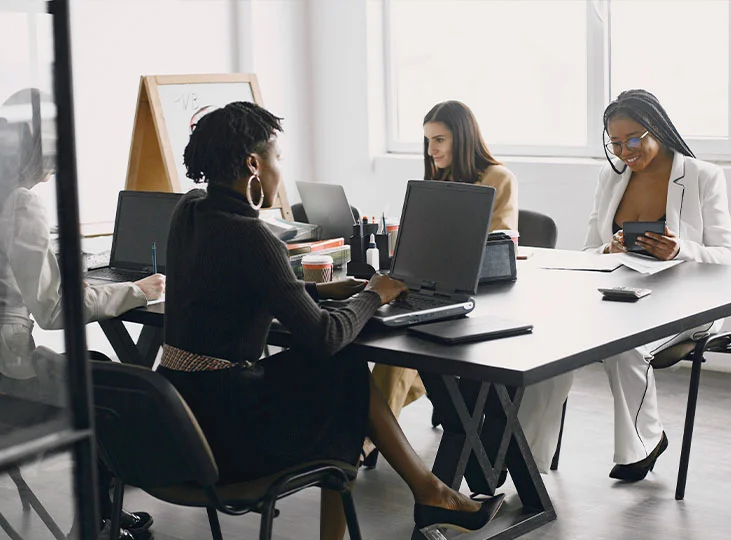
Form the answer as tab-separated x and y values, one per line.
180	360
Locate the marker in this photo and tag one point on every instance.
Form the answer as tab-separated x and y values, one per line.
154	258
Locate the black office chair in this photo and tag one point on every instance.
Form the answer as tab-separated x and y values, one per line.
536	229
138	410
299	214
692	351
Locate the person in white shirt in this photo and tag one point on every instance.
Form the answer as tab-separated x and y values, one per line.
30	282
30	279
652	175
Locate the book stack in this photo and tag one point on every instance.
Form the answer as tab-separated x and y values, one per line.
309	247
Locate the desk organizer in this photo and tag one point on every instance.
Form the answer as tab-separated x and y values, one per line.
357	267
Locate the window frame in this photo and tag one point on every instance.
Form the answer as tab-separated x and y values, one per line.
598	84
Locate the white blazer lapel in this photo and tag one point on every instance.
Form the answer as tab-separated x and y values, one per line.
676	191
617	192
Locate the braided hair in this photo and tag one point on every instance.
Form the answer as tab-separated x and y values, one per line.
645	109
222	140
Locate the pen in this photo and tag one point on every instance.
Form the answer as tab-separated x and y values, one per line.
154	258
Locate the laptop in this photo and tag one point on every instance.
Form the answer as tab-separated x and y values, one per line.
469	329
438	251
327	206
143	219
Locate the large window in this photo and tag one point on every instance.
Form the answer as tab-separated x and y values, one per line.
539	73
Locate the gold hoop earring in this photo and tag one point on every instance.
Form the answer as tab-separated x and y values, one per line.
254	205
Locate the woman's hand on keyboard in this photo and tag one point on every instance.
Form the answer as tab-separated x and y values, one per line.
153	286
340	290
387	288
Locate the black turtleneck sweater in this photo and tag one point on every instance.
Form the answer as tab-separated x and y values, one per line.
228	276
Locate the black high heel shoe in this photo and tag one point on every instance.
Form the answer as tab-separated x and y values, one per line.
634	472
369	461
430	518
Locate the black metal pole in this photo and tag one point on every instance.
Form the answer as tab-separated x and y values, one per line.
84	452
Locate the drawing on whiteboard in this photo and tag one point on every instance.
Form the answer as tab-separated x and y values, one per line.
200	113
188	101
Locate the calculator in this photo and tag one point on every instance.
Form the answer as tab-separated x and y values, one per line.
624	294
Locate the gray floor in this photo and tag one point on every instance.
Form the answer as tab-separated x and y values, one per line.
588	503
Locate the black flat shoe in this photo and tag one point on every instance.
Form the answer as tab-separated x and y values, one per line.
135	521
634	472
429	518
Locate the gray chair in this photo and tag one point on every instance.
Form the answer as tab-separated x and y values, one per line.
138	410
536	229
299	214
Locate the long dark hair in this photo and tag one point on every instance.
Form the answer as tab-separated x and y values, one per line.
222	140
645	109
470	156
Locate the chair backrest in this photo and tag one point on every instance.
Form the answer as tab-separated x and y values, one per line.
536	229
146	434
299	214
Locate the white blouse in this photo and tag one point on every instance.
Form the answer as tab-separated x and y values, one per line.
30	281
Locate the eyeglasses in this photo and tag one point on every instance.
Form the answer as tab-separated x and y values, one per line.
633	143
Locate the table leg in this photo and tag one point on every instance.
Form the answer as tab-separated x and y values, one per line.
481	434
142	353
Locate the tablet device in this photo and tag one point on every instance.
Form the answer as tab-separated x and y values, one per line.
632	229
467	329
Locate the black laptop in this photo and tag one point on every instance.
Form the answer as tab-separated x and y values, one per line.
143	219
327	206
438	252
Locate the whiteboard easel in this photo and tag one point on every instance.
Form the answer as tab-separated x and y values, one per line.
166	105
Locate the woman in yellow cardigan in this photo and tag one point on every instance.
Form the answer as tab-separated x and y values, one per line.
454	151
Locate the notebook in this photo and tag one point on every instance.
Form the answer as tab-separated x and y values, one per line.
468	329
143	218
327	206
438	252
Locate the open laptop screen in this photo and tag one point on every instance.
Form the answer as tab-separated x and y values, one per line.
142	218
442	235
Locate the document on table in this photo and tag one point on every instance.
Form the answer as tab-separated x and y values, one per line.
158	301
589	261
577	260
645	265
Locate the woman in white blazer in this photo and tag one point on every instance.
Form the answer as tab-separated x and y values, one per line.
652	175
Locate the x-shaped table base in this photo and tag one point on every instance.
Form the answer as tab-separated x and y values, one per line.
481	436
142	353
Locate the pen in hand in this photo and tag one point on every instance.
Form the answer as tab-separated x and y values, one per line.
154	258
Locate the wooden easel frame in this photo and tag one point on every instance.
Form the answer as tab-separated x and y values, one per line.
151	160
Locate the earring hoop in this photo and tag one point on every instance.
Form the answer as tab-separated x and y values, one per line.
254	205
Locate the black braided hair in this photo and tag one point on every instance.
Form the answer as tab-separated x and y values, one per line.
645	109
222	139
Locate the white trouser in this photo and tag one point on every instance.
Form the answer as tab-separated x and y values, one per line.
637	426
540	416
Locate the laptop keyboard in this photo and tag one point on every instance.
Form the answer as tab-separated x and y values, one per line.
114	274
418	303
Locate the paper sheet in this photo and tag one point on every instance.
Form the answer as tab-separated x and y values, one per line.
577	260
645	265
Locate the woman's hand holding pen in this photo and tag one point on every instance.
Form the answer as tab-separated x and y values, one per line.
387	288
341	289
153	286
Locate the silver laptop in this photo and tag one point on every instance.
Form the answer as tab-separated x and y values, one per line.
143	219
438	252
327	206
